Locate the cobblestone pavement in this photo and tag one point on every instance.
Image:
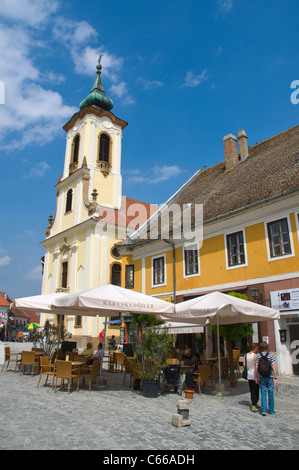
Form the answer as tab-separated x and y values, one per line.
115	418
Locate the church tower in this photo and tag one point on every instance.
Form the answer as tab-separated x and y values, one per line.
79	241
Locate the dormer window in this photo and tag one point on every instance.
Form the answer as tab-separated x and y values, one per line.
69	200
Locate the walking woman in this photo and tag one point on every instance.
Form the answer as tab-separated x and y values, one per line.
250	362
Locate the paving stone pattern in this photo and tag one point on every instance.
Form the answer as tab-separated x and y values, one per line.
115	418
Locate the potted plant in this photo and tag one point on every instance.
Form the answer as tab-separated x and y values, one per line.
49	337
151	350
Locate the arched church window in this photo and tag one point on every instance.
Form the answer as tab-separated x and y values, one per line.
104	148
76	146
116	275
64	274
69	200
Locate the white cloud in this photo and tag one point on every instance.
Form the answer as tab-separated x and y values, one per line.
39	171
225	6
165	173
35	274
192	80
4	260
155	175
149	84
74	36
73	33
31	12
31	112
121	91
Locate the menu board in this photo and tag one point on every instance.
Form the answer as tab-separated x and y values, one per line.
287	299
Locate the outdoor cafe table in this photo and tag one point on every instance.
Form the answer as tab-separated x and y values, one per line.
78	364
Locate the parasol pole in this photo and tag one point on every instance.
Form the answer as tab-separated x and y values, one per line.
218	347
104	338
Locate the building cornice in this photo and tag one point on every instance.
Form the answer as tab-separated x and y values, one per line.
96	112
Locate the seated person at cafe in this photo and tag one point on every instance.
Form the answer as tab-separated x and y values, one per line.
189	381
88	350
97	356
187	354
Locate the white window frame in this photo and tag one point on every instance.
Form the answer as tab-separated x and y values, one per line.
235	266
152	270
269	221
194	245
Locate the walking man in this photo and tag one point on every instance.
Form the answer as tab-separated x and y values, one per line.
267	378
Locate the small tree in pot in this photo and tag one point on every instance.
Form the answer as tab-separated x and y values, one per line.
151	349
231	332
49	337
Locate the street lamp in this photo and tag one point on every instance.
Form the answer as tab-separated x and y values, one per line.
255	294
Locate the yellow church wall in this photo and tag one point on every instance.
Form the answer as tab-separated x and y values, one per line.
50	268
87	139
67	221
105	187
81	256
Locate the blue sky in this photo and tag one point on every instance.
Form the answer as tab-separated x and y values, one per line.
183	74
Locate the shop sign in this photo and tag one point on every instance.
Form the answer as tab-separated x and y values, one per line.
287	299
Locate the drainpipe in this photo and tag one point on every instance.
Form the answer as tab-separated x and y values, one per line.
173	269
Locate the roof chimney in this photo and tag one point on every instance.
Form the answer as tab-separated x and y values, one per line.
242	138
231	152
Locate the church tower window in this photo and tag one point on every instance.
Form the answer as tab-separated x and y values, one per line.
69	200
64	275
75	154
76	149
104	148
104	155
116	274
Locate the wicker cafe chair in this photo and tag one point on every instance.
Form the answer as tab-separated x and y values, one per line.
236	358
90	374
118	358
46	368
202	376
214	375
131	369
53	357
224	366
10	357
28	359
64	370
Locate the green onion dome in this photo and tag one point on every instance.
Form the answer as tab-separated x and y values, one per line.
97	96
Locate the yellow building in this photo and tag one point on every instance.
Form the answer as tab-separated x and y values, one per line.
91	212
250	238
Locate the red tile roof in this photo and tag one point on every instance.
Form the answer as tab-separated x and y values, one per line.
31	317
270	170
4	301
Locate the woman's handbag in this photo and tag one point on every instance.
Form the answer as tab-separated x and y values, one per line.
244	373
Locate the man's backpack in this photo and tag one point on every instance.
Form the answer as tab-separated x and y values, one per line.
264	365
